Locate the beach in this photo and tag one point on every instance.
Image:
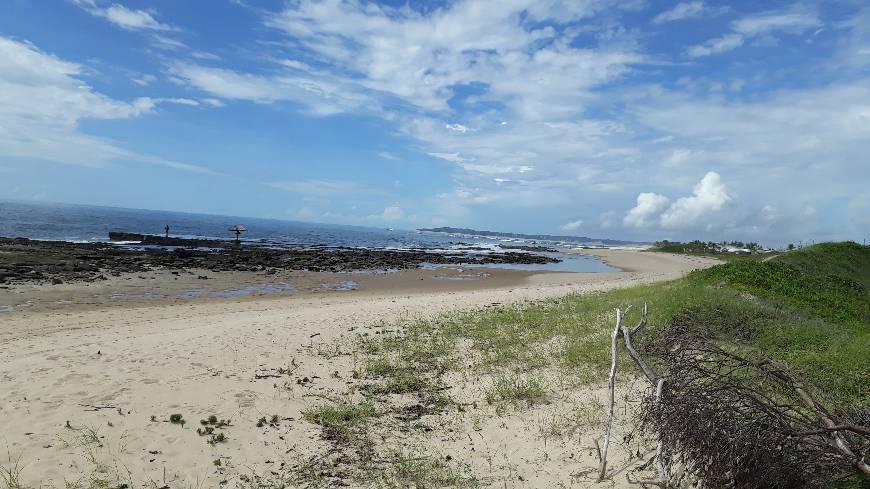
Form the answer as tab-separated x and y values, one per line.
90	384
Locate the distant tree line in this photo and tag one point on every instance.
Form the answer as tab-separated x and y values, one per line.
698	246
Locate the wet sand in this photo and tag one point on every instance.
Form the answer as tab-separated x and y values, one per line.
82	379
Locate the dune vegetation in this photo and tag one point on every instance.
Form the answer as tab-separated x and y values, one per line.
807	310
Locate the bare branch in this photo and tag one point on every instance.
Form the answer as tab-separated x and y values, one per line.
642	322
742	423
611	385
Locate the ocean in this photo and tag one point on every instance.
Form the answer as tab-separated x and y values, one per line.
86	223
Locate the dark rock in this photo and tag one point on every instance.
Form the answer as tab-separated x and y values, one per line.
32	261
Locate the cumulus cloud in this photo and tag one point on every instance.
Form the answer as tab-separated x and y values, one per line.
649	205
710	195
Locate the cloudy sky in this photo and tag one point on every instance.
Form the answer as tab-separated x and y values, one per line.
614	118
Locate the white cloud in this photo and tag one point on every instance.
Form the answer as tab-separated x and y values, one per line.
683	10
320	96
451	157
447	78
322	187
492	169
125	18
572	225
854	47
164	42
717	45
388	156
648	206
144	80
709	196
42	101
392	214
790	22
419	58
212	102
406	65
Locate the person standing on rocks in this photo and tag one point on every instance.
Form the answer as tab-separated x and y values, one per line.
167	230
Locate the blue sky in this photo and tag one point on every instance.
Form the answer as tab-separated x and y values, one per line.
627	119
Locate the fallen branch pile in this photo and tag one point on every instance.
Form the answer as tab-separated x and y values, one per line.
728	421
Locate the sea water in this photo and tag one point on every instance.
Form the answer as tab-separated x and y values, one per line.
86	223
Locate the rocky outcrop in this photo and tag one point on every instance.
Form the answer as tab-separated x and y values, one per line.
31	261
150	239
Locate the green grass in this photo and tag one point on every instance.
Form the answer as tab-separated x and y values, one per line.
513	390
809	308
812	311
409	471
849	259
340	421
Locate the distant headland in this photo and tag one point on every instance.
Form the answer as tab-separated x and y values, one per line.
537	237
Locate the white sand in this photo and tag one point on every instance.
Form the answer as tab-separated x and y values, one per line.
200	358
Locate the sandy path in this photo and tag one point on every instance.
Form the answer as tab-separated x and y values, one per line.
199	359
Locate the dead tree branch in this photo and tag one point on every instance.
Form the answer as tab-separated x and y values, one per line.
733	422
611	387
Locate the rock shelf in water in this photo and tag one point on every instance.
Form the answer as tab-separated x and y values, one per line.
24	260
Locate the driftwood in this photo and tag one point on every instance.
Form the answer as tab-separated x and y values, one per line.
620	330
611	389
733	422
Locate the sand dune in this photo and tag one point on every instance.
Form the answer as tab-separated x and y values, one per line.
80	386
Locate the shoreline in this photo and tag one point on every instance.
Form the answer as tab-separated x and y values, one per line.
107	370
167	287
641	260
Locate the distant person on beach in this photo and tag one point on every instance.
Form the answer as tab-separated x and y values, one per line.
167	230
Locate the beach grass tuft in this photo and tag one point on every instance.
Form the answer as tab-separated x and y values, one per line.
10	473
339	421
516	389
408	469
